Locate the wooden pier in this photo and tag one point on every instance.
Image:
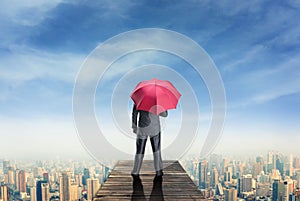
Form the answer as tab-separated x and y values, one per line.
175	185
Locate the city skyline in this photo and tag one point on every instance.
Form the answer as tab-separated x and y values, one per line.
254	45
269	176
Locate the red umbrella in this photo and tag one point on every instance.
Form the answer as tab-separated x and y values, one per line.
155	96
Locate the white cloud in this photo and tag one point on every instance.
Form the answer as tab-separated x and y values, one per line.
23	63
267	84
28	12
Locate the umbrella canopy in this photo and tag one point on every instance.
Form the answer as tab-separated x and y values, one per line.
155	96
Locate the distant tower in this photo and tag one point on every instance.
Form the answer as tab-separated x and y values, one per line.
214	177
64	186
39	193
17	183
74	192
228	173
230	194
298	179
275	187
33	194
22	181
78	179
290	166
11	176
46	176
219	189
245	185
4	193
288	188
5	164
92	188
45	192
86	175
203	170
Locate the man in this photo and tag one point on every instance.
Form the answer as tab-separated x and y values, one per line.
147	126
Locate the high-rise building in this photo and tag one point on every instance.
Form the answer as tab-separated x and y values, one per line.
45	192
64	186
290	170
275	187
78	179
39	193
4	193
5	164
203	170
214	177
92	188
219	189
278	190
11	176
257	169
22	181
86	175
263	178
46	176
74	192
224	164
33	194
228	174
245	185
298	179
288	189
17	179
230	194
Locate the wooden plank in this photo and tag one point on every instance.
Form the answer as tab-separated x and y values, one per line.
175	185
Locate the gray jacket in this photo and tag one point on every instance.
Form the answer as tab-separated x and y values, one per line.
148	124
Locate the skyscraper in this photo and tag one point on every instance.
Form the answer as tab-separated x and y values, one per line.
4	193
17	179
39	193
86	175
228	173
230	194
5	164
245	185
92	188
74	192
203	170
290	170
214	177
219	189
64	186
288	189
22	181
46	176
33	194
45	192
11	176
298	179
278	190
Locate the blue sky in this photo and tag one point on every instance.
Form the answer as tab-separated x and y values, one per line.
255	46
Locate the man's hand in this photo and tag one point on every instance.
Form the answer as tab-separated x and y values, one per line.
134	130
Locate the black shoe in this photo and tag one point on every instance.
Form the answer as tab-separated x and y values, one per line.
159	173
136	177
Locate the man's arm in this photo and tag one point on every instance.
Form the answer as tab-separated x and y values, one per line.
164	114
134	118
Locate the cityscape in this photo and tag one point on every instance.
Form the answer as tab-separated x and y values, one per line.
53	180
271	176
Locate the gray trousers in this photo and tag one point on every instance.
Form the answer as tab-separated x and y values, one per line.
140	151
